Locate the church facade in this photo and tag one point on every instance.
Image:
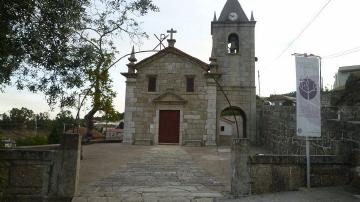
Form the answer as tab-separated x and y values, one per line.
175	98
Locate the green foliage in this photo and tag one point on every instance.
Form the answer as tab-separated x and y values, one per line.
113	116
350	96
43	121
97	39
5	123
24	118
3	177
291	94
64	48
37	49
21	116
230	111
63	117
32	140
54	136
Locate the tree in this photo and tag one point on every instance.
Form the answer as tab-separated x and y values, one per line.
36	47
113	116
96	37
21	117
57	127
350	96
73	52
5	122
43	120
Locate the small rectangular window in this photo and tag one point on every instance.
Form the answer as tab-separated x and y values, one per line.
222	128
152	84
190	84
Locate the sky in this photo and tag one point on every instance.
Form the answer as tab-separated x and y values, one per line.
279	22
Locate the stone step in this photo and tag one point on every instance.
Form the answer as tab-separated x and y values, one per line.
157	189
149	196
157	194
143	199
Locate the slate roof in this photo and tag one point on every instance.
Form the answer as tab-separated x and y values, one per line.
174	51
233	6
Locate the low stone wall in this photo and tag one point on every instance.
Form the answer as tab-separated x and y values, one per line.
277	131
41	173
340	136
270	173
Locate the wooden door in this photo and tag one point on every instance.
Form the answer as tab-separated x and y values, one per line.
169	126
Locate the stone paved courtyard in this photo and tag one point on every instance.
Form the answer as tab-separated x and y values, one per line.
158	173
116	172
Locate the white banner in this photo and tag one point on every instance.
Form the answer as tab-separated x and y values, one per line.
308	107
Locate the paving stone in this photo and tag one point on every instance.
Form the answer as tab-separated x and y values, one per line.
161	174
79	199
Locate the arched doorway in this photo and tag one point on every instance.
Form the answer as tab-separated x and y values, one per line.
232	124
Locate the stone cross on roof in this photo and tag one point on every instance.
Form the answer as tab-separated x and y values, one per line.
171	31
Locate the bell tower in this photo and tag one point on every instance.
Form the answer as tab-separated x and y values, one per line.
234	50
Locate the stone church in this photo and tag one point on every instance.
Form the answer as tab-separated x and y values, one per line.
175	98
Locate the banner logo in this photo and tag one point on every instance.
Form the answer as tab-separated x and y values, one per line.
307	88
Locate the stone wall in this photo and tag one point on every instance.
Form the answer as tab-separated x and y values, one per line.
41	173
340	135
271	173
277	131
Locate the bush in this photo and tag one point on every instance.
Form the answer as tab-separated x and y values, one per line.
54	136
32	140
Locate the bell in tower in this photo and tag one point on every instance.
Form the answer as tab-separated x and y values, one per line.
233	44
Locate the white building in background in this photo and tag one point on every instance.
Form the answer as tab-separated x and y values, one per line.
114	134
343	74
226	127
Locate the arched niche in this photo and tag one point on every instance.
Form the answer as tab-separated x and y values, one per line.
228	114
233	44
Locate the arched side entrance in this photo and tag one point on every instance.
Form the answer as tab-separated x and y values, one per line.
227	125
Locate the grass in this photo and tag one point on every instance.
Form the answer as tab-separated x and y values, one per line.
32	140
26	137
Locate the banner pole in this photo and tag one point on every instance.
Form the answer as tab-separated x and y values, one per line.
308	162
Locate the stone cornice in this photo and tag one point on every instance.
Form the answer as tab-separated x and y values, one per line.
129	75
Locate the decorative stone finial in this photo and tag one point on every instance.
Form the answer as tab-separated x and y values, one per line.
171	41
215	19
213	62
132	58
252	16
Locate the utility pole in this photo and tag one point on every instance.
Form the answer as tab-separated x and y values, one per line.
259	81
35	125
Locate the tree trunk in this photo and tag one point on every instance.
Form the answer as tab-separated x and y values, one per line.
89	124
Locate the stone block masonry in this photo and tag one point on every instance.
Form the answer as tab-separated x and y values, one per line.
340	137
240	180
41	174
142	107
277	131
274	173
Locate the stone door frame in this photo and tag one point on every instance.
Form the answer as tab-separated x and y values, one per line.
169	120
157	121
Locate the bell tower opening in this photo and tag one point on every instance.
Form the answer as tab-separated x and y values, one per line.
233	44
